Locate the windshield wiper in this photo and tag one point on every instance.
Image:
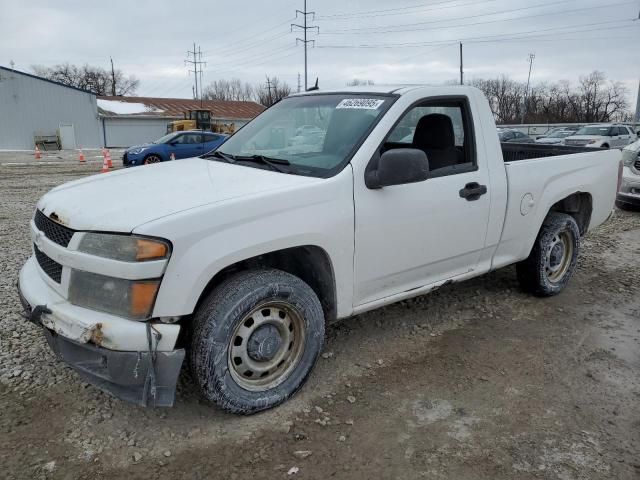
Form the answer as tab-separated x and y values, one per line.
274	163
217	154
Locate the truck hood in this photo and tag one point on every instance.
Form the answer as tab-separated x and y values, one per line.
122	200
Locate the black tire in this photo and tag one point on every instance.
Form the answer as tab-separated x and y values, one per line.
605	146
627	206
223	315
534	273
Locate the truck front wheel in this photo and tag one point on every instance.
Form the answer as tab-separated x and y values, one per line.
553	258
255	340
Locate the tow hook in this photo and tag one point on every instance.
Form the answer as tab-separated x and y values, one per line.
37	312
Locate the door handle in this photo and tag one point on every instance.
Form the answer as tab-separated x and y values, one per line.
473	191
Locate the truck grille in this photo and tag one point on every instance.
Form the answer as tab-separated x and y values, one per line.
52	268
53	231
636	165
577	143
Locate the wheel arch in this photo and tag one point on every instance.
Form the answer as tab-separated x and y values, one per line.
310	263
579	205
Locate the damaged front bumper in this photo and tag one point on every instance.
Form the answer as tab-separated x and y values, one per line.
144	377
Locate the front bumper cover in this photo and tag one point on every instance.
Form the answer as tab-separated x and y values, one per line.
144	378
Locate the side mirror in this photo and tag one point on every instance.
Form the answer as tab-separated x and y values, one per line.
173	144
398	167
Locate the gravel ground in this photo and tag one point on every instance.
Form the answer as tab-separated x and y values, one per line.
475	381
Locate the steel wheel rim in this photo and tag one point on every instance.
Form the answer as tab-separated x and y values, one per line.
257	374
151	159
558	256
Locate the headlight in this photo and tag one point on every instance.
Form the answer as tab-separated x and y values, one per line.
137	151
629	157
127	248
126	298
592	141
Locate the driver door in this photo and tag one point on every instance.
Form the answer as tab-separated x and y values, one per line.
409	236
186	145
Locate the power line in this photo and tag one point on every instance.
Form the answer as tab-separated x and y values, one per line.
358	31
305	13
478	38
404	59
390	11
234	69
251	59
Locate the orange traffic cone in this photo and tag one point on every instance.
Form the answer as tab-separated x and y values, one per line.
105	165
80	155
109	162
37	155
172	156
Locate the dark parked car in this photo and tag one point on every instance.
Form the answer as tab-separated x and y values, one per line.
513	136
181	144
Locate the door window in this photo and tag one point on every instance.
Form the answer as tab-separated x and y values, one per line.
443	130
180	139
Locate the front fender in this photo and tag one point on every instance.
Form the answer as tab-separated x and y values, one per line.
210	238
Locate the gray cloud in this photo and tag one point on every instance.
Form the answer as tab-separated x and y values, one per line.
414	42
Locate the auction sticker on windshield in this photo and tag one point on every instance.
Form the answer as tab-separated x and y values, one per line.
362	103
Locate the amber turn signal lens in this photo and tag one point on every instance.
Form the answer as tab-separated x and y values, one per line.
150	250
143	296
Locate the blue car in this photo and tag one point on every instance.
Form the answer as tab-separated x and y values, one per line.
182	144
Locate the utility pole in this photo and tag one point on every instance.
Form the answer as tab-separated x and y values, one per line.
269	89
113	79
304	40
637	117
461	67
201	84
532	56
197	69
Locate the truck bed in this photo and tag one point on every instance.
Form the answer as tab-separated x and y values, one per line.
512	152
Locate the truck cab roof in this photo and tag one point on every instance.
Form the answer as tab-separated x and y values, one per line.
397	89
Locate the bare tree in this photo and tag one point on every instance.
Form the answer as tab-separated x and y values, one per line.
271	92
232	89
594	99
94	79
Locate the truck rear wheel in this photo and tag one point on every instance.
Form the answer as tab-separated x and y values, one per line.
255	340
553	258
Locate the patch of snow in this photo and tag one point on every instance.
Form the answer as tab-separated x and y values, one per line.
126	108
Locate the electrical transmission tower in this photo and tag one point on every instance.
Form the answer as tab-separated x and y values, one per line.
194	58
269	90
304	28
532	56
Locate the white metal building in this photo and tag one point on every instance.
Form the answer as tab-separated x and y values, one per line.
36	109
55	116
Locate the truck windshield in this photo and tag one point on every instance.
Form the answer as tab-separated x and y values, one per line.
313	135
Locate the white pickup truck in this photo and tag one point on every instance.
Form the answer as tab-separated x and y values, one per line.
239	258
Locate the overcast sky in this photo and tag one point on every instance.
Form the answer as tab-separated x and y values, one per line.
406	41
